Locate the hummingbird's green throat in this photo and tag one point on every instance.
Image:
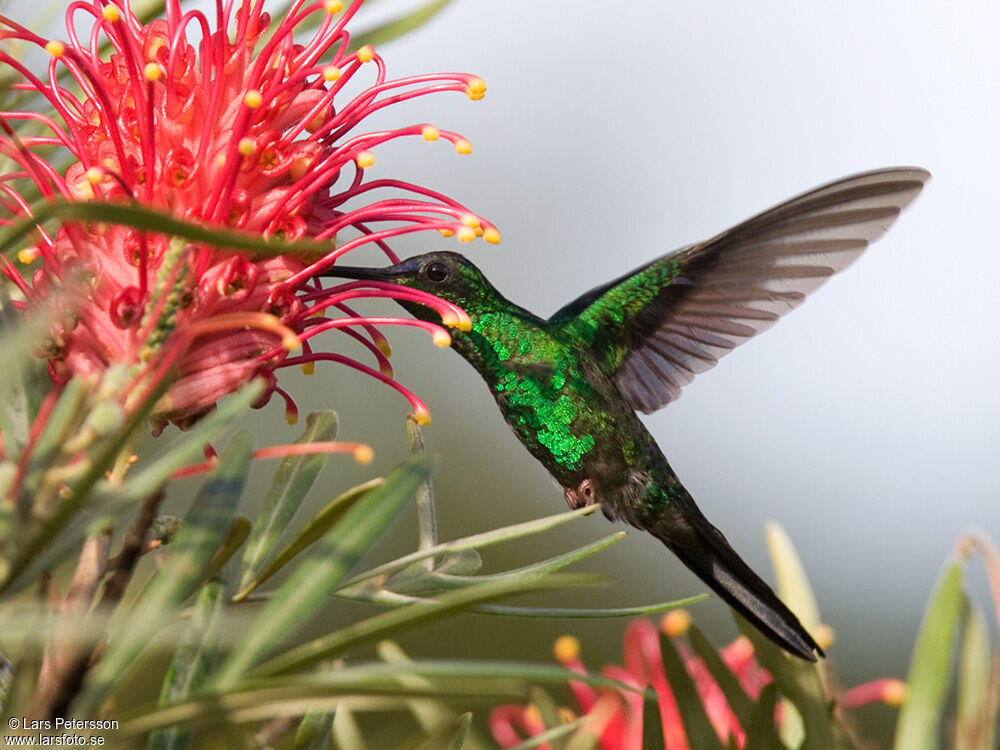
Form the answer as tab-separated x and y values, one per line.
569	386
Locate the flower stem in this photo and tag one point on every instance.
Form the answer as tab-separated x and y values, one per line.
426	516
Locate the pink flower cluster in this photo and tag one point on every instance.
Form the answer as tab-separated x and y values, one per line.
239	126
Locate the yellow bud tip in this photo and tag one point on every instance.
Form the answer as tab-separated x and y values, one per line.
366	54
95	175
28	255
532	715
466	234
292	417
331	73
447	232
469	220
476	88
308	368
110	13
430	133
246	146
492	236
825	636
422	417
152	72
55	48
450	319
364	159
441	338
364	455
462	146
253	99
333	6
464	321
676	622
290	342
566	715
896	692
566	648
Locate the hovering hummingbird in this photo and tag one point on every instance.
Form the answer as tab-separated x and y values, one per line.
569	386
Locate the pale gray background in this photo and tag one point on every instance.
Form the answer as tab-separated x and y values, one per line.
866	423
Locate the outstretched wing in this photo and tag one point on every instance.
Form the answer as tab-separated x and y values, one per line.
662	324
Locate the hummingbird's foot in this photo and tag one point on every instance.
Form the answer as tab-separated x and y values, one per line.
582	496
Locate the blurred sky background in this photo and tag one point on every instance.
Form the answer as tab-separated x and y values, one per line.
866	422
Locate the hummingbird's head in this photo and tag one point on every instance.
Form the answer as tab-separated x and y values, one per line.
450	276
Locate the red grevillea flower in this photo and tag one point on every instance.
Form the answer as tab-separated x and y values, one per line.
617	717
233	125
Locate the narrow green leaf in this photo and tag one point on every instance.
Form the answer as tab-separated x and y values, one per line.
418	613
292	481
441	580
429	715
461	732
919	721
238	532
559	732
761	732
22	385
190	554
697	727
314	731
265	698
974	724
312	532
193	660
397	27
323	569
798	681
741	703
476	541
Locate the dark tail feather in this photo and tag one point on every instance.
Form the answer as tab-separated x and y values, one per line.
705	551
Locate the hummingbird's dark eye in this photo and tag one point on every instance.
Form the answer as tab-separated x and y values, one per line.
436	272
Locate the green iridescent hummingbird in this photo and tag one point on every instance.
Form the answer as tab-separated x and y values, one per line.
569	386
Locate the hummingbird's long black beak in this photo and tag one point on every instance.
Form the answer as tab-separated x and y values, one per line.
359	272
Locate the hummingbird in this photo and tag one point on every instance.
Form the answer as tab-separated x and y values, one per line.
569	386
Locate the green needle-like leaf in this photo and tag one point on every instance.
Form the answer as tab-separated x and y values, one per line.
461	732
974	727
21	381
292	481
761	732
190	554
697	727
741	703
798	681
397	27
919	721
420	612
192	662
318	575
312	532
559	732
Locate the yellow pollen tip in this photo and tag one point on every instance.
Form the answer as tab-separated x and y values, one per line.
462	146
220	160
466	234
476	88
441	338
464	321
55	48
825	636
111	13
253	99
246	146
94	175
450	319
364	455
566	648
469	220
492	235
566	715
532	715
896	692
422	417
676	622
364	159
152	72
366	54
430	133
479	231
290	342
447	232
28	255
292	417
308	368
333	6
331	73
